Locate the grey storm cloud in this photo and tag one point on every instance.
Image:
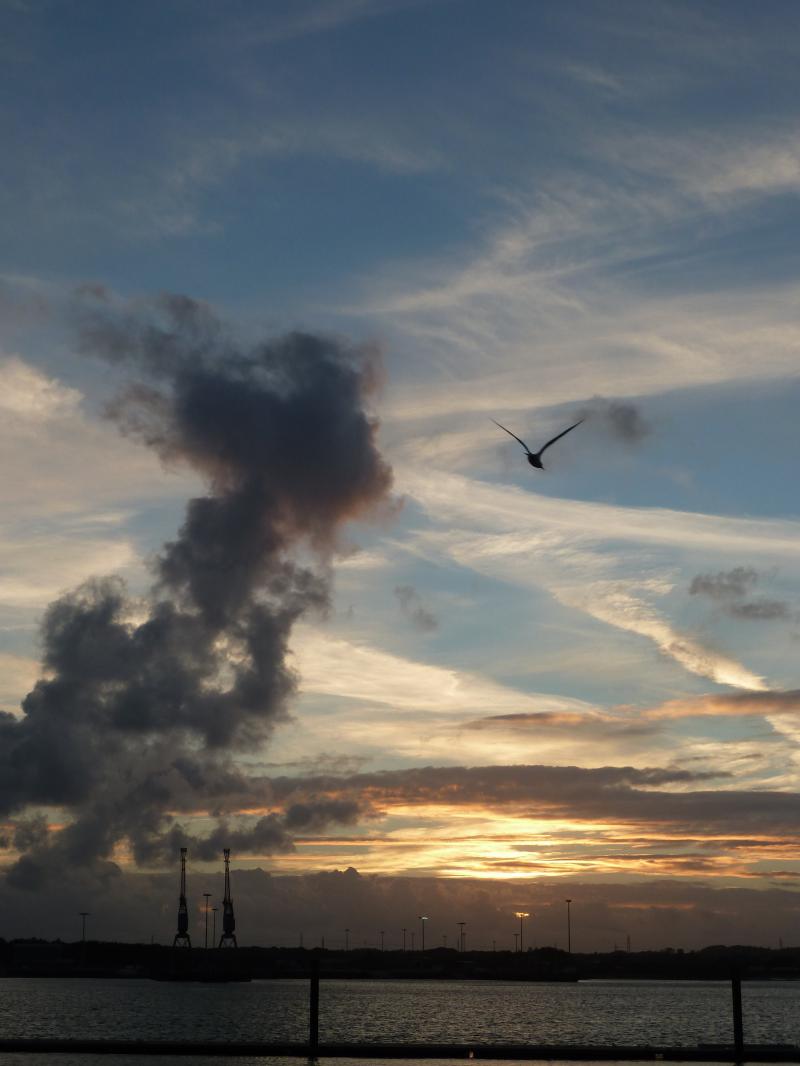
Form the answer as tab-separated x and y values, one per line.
728	588
622	419
143	704
414	610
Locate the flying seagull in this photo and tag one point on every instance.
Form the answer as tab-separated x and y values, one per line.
535	458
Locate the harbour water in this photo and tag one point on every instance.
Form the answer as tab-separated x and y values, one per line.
590	1013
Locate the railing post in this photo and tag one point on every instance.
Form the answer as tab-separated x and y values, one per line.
738	1028
313	1009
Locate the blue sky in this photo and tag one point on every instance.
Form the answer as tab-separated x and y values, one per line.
537	212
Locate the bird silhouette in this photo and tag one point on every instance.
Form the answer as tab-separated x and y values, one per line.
535	458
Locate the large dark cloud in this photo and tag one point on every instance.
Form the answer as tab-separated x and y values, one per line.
143	703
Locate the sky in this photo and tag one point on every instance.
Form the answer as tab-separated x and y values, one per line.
272	579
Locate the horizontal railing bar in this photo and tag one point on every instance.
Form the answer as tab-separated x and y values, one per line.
722	1053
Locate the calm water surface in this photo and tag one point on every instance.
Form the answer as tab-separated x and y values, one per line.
597	1012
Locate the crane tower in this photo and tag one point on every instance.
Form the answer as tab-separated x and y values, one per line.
228	938
182	937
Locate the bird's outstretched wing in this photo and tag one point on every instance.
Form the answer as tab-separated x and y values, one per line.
522	442
563	434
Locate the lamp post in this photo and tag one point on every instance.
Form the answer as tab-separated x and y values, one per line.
412	939
207	898
569	928
84	915
404	939
461	939
382	932
516	942
522	915
422	920
214	927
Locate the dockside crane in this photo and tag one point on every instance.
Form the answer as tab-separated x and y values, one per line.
228	938
182	938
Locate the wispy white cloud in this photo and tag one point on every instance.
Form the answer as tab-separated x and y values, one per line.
300	19
32	396
570	548
549	306
357	671
66	461
502	509
35	567
725	170
613	602
505	509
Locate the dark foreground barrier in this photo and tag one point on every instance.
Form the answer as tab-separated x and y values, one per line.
737	1052
521	1052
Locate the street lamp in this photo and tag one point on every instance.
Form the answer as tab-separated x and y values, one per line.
422	920
84	915
404	939
214	927
522	915
461	940
207	897
569	928
382	932
412	939
516	941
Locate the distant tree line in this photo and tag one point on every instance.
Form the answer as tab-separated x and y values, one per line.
35	957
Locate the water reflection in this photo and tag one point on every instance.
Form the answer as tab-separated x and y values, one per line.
607	1012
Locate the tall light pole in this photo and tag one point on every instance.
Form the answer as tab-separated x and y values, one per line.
569	928
516	941
461	940
382	932
422	920
522	915
207	898
214	927
84	915
412	939
404	939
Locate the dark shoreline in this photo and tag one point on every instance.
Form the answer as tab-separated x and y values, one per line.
38	958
